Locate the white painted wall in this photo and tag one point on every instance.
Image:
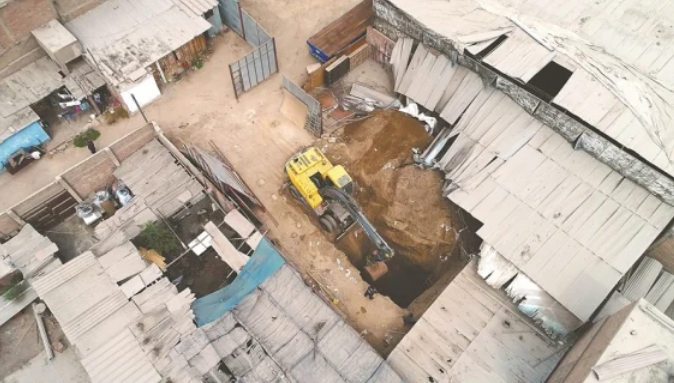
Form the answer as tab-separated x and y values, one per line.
145	91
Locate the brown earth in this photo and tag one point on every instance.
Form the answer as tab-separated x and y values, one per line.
404	202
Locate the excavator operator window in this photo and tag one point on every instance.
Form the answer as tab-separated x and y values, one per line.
318	180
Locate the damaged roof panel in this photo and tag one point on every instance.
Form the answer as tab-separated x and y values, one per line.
473	332
549	209
126	36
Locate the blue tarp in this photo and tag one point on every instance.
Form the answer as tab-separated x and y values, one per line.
32	135
265	261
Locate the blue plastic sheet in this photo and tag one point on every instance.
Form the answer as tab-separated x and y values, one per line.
32	135
264	262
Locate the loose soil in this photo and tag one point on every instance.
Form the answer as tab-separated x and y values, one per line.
404	202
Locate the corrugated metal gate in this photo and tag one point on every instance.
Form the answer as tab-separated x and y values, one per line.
253	32
314	112
259	64
231	15
254	68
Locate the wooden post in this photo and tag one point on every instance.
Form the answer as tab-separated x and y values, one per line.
94	104
69	189
112	157
161	72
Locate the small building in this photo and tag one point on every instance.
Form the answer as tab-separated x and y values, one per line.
636	345
137	45
473	333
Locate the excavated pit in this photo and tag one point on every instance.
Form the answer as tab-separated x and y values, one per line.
404	203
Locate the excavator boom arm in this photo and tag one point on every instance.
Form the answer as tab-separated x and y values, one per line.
352	207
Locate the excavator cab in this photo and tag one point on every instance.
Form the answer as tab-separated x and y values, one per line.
328	191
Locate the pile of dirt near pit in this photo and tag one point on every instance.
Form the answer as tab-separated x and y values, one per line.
404	202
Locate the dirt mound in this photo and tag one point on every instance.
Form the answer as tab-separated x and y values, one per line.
404	202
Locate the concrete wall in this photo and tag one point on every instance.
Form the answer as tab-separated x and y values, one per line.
394	23
124	148
19	17
91	175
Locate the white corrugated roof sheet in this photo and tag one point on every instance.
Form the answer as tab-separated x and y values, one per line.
633	345
618	52
560	216
53	36
126	36
563	218
28	86
472	333
199	7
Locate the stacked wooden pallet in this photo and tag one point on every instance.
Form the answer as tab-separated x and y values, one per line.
331	40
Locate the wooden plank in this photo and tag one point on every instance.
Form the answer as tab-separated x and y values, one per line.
441	85
417	59
457	79
346	29
420	77
225	249
469	88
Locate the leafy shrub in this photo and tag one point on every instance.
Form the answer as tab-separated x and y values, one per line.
12	288
159	237
112	115
80	140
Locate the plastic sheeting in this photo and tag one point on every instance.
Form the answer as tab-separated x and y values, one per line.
32	135
265	261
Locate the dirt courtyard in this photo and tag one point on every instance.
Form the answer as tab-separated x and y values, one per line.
403	202
258	140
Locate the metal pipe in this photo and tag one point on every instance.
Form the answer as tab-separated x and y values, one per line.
38	309
133	96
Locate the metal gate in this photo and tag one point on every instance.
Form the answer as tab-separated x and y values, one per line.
255	67
253	32
51	212
231	15
314	111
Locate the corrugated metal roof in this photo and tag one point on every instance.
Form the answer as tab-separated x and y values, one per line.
15	122
53	36
640	283
472	333
126	36
29	85
120	360
622	72
562	217
199	7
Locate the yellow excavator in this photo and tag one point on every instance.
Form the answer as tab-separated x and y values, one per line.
327	191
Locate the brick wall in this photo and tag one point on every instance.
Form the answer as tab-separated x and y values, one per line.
7	225
22	16
37	199
128	144
91	175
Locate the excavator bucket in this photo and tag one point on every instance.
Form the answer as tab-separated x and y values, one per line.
376	270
